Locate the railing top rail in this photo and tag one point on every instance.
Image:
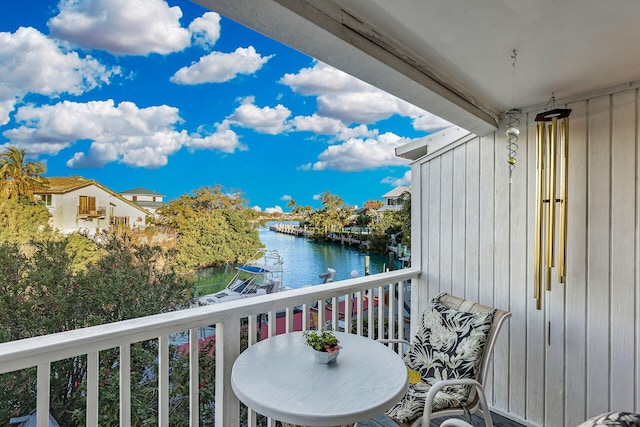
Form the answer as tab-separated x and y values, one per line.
16	355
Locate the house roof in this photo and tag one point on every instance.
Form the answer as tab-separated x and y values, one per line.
58	185
62	185
397	192
142	191
455	59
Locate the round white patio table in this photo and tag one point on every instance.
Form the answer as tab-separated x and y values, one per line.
279	378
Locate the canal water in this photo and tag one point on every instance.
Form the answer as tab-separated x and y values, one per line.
305	259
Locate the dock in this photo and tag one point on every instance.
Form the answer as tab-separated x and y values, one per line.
291	229
344	238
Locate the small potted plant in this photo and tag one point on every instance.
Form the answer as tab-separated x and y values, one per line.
325	344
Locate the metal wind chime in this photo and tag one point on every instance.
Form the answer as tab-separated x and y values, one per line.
551	205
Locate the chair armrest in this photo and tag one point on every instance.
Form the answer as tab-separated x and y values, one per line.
428	404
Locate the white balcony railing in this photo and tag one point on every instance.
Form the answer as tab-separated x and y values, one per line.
312	304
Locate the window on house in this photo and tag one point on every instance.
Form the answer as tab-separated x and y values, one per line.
87	205
119	221
154	198
134	198
45	199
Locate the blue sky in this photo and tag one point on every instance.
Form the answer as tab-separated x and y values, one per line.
170	96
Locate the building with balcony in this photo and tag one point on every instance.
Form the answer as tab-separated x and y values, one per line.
83	205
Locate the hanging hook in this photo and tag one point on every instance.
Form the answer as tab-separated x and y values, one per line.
514	56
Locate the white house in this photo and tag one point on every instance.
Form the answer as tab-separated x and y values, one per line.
146	199
394	199
79	204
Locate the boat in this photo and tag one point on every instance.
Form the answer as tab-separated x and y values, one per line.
260	276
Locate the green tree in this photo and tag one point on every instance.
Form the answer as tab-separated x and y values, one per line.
214	227
21	220
18	177
390	223
41	293
333	215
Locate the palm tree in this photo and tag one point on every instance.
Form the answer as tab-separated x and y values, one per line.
19	178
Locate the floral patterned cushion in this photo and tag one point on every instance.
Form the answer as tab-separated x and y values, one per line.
618	419
448	344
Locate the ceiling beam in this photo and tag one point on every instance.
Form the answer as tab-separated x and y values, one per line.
325	31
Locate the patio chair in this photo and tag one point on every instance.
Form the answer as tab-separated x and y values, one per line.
450	357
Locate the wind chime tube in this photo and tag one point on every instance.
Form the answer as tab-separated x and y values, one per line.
564	183
551	197
537	250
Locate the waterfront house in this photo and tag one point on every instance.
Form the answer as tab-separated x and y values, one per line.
473	211
146	199
395	199
83	205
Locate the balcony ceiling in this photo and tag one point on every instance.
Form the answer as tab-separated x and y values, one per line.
454	58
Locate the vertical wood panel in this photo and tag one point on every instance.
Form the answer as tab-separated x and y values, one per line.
502	267
576	283
518	257
623	244
534	322
486	232
446	222
472	220
433	241
637	252
598	253
458	231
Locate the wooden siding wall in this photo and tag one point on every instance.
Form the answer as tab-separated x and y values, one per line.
580	355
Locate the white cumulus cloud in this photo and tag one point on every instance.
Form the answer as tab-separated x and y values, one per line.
33	63
350	100
430	123
205	30
346	98
397	182
286	198
121	27
275	209
360	154
139	137
269	120
218	67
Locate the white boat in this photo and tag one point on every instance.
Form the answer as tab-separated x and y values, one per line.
262	275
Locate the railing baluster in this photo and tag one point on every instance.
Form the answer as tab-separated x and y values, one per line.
194	378
252	338
370	312
401	313
321	313
392	319
125	385
227	351
272	323
289	319
163	381
359	313
93	372
347	313
335	312
380	312
305	317
43	394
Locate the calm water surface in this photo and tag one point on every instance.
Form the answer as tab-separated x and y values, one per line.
305	259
